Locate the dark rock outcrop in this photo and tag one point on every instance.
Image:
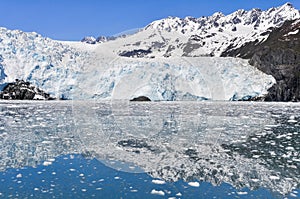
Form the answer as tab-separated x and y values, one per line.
278	56
141	99
136	53
21	90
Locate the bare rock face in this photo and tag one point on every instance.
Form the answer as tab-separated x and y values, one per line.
21	90
141	99
278	56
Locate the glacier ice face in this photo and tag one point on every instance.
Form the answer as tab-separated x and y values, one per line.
46	63
75	70
177	79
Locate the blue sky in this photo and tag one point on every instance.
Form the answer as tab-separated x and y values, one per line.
74	19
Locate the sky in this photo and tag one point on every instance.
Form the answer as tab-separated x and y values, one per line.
75	19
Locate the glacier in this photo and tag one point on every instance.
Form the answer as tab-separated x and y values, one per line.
76	70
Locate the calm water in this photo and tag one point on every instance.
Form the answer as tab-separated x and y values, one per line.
149	150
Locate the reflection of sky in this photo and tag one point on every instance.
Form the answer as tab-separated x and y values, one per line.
72	176
212	142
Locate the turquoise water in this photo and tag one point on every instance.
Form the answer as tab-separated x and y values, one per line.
149	150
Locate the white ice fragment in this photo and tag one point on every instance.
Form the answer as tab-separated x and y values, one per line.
19	175
47	163
156	192
72	170
255	180
83	190
293	195
194	184
242	193
158	182
274	177
81	175
178	194
290	148
117	178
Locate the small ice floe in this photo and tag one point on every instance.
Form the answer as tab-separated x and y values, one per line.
178	194
242	193
255	180
290	148
117	178
158	182
274	177
72	170
19	175
194	184
296	160
156	192
47	163
292	119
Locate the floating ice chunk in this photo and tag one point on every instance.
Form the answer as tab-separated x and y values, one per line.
242	193
158	182
156	192
292	121
194	184
290	148
47	163
274	177
178	194
19	175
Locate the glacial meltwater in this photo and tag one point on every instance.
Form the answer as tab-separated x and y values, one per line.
120	149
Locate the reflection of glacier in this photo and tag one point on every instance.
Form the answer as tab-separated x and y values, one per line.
172	141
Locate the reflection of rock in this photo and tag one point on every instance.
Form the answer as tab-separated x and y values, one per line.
21	90
141	98
187	141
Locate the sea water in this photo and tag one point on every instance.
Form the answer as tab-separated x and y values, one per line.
121	149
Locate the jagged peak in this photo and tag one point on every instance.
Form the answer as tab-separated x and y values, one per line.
285	12
287	5
218	14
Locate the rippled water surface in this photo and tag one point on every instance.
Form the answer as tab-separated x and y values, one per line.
118	149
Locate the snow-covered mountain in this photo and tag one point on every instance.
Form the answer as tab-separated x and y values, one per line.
207	36
170	59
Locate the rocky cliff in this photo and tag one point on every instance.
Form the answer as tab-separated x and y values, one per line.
279	56
21	90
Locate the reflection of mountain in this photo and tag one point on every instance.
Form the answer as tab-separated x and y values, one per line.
213	142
